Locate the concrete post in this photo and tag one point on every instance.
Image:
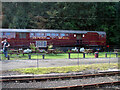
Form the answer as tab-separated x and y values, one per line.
83	55
8	57
29	56
105	55
43	56
69	55
116	54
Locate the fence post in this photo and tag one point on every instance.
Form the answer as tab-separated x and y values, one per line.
8	57
106	55
37	62
69	55
43	56
29	56
83	55
96	54
116	54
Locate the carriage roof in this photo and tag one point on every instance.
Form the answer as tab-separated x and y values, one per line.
50	31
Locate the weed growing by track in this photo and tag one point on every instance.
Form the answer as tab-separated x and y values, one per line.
67	69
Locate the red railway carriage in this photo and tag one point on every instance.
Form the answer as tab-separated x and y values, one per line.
58	38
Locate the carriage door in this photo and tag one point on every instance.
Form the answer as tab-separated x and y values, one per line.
22	39
79	39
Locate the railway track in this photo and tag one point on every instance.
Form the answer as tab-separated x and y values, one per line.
22	79
86	86
83	78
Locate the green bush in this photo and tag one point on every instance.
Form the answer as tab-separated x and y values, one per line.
32	46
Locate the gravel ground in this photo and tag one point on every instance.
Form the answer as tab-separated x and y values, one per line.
14	64
61	83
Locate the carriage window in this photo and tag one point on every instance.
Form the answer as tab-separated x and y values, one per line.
1	34
42	34
32	34
53	34
47	34
57	34
8	35
41	43
22	35
37	34
62	34
102	35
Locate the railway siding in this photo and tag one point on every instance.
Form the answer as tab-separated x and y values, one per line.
86	80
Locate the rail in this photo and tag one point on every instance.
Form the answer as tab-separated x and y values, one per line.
87	86
60	77
71	86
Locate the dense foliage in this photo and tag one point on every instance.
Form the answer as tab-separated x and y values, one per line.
65	15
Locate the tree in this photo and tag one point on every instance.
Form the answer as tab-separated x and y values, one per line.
8	10
107	21
95	16
77	16
21	19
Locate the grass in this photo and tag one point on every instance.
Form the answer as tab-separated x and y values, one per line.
67	69
59	56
